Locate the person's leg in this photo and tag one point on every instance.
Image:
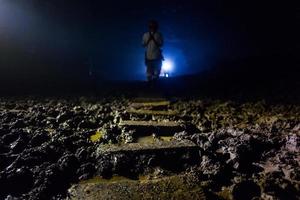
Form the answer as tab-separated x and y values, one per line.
156	73
158	65
149	71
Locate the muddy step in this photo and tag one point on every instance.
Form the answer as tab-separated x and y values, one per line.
150	103
148	99
174	155
159	105
152	112
183	186
149	127
170	124
145	147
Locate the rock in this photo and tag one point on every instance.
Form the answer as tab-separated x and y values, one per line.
3	131
86	171
19	181
52	113
81	154
78	109
9	117
296	128
49	182
64	117
246	190
68	164
120	164
88	124
293	143
104	167
181	135
39	138
209	167
244	157
10	137
19	145
19	124
94	107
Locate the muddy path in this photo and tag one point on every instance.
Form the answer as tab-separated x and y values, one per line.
49	147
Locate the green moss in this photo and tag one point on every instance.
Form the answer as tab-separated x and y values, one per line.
97	136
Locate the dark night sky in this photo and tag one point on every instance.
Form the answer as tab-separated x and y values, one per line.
60	40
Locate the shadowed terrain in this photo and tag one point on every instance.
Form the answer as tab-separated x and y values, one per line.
245	129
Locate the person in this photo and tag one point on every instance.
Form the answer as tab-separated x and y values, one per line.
153	42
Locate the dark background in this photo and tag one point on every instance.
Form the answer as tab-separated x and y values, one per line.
55	44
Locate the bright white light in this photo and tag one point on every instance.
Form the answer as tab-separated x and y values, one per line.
167	75
167	66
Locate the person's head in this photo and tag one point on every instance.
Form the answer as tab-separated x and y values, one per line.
153	25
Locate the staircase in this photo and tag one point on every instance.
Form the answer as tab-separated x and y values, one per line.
152	147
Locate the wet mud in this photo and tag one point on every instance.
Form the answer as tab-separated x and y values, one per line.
244	150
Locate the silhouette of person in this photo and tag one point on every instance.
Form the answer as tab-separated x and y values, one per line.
153	42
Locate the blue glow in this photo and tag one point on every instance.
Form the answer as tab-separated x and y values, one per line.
167	66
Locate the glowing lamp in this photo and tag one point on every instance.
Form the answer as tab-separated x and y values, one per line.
167	66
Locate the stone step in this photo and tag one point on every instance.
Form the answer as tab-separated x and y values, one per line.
170	124
177	187
174	155
156	105
148	99
149	127
145	147
152	112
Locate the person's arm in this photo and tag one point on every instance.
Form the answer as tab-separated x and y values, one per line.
145	40
160	40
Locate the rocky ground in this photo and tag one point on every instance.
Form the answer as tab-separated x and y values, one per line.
248	150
